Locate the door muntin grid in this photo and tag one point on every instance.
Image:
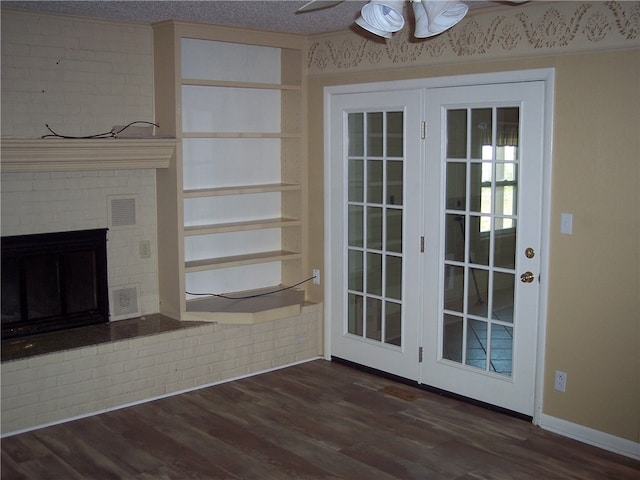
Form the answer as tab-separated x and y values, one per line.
480	227
375	219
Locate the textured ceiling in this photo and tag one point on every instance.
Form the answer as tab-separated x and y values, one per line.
261	14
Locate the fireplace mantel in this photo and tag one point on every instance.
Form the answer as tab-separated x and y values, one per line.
53	154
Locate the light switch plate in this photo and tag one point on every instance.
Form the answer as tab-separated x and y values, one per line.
566	223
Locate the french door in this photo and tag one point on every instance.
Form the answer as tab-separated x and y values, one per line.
483	197
375	191
434	238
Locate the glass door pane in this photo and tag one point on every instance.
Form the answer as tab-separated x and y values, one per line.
375	219
480	221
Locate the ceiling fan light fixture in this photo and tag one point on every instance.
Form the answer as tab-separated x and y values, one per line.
382	17
372	29
435	16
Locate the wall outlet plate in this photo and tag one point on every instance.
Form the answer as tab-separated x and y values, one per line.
316	276
560	382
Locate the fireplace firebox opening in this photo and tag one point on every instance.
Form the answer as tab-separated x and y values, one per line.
53	281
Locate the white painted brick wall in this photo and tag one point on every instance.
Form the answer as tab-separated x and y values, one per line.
81	77
64	201
78	75
52	388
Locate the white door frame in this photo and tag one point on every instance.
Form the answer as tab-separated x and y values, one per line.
547	75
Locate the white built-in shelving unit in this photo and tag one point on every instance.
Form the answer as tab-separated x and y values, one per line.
231	211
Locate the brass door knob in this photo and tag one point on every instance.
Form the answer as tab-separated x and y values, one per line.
527	277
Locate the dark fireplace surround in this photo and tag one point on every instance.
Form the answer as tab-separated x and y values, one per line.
53	281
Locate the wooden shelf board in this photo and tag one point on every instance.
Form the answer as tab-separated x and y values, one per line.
241	226
198	82
268	306
241	135
241	190
239	260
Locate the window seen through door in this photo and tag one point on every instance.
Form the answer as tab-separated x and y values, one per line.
499	154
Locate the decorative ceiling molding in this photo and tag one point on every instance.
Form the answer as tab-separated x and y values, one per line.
535	28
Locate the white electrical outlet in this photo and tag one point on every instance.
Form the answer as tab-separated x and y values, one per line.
560	383
316	276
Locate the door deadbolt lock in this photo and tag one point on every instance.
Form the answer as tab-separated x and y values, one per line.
529	253
527	277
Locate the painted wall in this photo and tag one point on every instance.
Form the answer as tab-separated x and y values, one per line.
81	78
594	303
593	323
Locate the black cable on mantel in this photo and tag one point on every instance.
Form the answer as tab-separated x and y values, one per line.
109	134
250	296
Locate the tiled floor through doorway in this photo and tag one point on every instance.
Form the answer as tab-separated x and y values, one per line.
487	344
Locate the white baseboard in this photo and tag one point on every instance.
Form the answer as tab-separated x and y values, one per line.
590	436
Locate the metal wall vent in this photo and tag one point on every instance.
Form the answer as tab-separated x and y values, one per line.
123	211
125	302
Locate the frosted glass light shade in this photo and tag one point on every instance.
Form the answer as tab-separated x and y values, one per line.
382	17
436	16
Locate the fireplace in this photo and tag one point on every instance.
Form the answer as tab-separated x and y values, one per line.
53	281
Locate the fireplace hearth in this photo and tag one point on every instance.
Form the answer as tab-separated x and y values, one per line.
53	281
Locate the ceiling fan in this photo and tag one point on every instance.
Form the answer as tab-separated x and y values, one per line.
384	17
318	4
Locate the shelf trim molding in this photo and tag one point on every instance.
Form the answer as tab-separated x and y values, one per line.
233	84
241	190
239	260
282	222
20	155
282	135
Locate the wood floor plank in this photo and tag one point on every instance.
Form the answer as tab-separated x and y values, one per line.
383	458
101	431
266	451
457	459
320	451
191	426
11	468
563	455
339	428
174	456
24	447
81	456
48	467
317	420
232	427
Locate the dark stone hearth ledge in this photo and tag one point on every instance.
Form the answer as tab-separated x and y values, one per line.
53	342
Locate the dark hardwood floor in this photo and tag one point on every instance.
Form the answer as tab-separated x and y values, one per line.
318	420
